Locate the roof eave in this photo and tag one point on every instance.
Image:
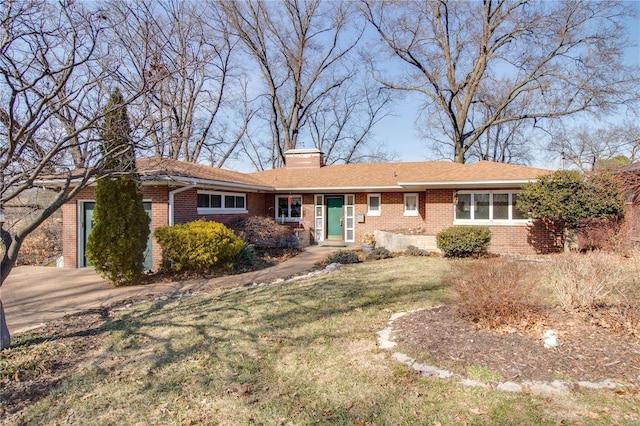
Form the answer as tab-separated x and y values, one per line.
338	189
498	183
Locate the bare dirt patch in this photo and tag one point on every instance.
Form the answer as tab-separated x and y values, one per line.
589	351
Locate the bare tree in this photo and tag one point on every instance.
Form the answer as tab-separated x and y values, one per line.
589	148
554	58
304	54
341	123
51	69
188	50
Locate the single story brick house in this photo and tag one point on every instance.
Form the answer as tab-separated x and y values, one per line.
336	203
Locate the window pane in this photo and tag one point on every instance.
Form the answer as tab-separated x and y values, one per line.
216	201
229	201
296	207
463	208
481	206
283	207
203	200
515	213
411	203
240	202
501	206
374	204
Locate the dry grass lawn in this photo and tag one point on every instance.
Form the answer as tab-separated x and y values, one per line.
295	353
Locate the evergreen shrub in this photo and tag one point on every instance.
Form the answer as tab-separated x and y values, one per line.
464	241
379	253
199	246
415	251
343	256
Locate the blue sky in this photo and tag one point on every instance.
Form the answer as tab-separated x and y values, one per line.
400	134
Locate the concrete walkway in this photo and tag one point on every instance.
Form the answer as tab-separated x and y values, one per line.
34	295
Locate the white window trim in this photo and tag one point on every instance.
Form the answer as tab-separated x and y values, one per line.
369	211
497	222
288	218
223	210
412	212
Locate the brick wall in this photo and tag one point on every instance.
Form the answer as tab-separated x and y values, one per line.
436	213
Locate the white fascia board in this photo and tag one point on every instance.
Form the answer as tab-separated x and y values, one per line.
183	180
501	183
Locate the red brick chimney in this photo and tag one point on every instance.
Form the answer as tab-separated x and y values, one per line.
310	158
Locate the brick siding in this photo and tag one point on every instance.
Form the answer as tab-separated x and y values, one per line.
435	213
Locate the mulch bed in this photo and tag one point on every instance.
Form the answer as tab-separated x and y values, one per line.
588	351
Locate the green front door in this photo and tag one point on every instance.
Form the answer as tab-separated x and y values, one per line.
334	218
87	227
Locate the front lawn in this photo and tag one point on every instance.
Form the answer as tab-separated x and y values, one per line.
301	352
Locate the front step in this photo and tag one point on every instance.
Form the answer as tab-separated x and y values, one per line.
333	244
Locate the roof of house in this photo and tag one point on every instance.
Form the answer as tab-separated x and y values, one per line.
634	167
155	168
337	178
399	176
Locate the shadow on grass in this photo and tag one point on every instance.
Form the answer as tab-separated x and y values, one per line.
237	336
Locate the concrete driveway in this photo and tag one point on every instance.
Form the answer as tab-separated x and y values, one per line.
34	295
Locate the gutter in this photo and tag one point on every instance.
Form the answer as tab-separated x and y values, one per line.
171	200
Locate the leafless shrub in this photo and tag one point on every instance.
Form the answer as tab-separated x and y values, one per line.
43	245
580	281
495	292
623	318
263	232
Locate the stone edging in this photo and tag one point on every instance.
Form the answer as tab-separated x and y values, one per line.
557	386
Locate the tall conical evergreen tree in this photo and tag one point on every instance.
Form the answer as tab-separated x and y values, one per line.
118	240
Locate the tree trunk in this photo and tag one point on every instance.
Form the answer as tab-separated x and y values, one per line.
5	337
458	156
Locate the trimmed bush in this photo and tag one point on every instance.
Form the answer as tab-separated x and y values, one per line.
199	246
379	253
464	241
262	232
343	256
415	251
495	292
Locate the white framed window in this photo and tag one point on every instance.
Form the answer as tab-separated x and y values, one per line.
411	204
374	204
214	202
288	208
487	207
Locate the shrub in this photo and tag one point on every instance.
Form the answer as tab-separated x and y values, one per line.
464	241
495	292
566	196
199	245
415	251
120	234
343	256
580	281
247	256
379	253
262	232
43	245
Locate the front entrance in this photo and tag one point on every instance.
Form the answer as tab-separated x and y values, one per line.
87	227
334	218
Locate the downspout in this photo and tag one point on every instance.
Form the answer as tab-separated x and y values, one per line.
171	201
